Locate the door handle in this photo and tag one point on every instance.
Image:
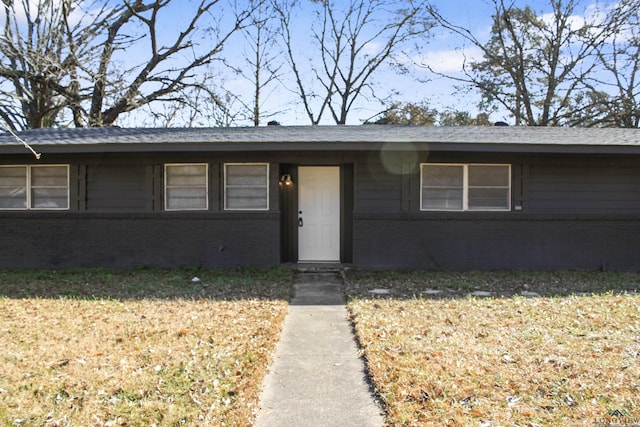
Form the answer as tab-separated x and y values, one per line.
300	222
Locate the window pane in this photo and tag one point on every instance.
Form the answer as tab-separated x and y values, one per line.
49	176
186	187
442	187
49	187
488	198
187	175
236	200
244	197
442	199
13	198
49	198
13	187
442	176
247	186
250	180
13	177
489	187
254	175
488	176
186	198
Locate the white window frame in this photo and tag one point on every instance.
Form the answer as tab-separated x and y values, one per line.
29	187
465	187
224	196
167	187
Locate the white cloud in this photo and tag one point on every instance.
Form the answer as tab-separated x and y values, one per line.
449	61
574	22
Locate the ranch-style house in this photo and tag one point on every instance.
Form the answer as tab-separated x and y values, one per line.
371	196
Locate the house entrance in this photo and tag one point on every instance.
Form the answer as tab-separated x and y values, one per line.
319	214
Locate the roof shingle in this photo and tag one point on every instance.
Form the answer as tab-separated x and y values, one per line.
376	134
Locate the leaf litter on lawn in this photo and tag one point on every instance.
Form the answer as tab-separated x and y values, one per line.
186	359
509	361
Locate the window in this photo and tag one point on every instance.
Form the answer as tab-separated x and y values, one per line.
34	187
246	186
465	187
185	186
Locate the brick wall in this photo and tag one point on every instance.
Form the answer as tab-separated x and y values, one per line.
65	240
496	241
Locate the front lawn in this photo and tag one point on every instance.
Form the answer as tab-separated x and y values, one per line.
156	347
147	347
565	354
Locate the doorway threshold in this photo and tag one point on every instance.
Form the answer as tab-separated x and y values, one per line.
307	267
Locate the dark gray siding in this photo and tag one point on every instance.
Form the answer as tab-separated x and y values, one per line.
578	211
117	187
377	190
588	188
116	220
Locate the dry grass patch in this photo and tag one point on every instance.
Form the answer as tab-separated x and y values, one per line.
192	353
502	361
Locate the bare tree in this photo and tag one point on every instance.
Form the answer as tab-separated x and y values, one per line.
348	45
41	44
535	66
159	78
204	108
99	61
260	63
614	99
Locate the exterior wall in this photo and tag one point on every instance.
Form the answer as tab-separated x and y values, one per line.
595	186
116	240
377	189
121	187
577	212
494	241
116	220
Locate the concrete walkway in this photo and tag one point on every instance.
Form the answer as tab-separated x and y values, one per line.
317	378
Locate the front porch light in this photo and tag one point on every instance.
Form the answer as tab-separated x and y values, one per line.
286	180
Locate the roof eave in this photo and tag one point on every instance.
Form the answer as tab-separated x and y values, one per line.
154	147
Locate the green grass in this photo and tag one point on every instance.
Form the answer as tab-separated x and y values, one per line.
146	283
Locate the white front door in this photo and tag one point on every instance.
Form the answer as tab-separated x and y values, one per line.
319	213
